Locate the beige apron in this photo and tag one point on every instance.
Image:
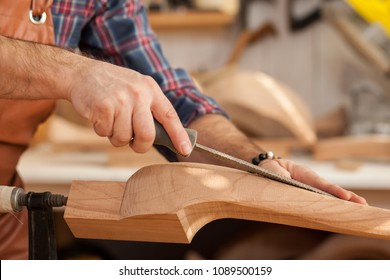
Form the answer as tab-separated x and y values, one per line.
19	119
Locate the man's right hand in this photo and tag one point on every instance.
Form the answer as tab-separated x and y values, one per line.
122	103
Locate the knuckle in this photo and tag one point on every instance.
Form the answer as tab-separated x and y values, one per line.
171	114
102	109
121	98
121	138
146	136
138	95
149	81
115	143
143	141
101	130
139	148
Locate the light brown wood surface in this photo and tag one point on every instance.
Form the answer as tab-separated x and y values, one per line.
332	124
172	202
67	135
262	106
365	147
190	20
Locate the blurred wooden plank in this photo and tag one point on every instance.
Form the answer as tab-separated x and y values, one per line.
369	147
63	134
126	157
190	19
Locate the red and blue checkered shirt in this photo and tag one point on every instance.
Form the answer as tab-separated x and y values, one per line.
118	31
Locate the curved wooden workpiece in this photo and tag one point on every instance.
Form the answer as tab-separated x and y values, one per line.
261	106
172	202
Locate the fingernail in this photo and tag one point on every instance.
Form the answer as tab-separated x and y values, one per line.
186	148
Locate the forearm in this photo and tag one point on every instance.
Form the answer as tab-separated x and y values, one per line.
35	71
217	132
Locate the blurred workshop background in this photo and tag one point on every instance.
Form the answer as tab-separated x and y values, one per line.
325	63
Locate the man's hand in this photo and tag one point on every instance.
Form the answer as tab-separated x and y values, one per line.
305	175
219	133
122	103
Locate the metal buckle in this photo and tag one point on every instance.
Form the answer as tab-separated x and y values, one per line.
37	19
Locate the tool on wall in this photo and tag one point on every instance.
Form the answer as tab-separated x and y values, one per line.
298	21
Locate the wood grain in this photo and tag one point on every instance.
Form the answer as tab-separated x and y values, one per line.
172	202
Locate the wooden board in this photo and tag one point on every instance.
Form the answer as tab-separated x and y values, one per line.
172	202
366	147
63	134
126	157
190	20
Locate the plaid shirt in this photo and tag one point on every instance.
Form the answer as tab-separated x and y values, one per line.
118	31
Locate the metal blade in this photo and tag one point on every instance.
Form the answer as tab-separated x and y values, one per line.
248	167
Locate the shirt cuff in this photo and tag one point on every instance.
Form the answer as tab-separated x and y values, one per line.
190	104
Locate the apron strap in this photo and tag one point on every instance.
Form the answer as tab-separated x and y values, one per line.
38	7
